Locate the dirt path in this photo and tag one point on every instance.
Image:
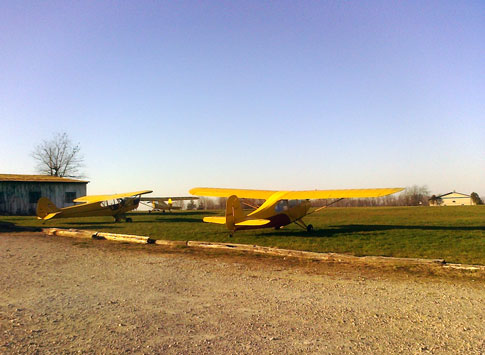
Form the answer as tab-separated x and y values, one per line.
70	295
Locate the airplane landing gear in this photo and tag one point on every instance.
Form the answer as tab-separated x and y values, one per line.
308	228
120	217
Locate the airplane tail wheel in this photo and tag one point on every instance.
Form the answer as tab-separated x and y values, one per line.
309	228
129	220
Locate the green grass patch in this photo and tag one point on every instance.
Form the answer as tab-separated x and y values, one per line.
456	234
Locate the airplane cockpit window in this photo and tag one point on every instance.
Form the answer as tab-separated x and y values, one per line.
281	206
294	203
112	203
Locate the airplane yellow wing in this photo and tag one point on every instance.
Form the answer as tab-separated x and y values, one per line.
294	195
242	193
97	198
349	193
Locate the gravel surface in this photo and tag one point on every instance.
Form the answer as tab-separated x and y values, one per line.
62	295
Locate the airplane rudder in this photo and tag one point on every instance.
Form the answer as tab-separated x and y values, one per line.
234	209
45	207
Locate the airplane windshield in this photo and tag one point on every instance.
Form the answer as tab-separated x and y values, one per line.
281	206
284	205
113	202
293	203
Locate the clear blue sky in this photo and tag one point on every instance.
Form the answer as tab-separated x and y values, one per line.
249	94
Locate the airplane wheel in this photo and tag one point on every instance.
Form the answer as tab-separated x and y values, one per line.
309	228
129	220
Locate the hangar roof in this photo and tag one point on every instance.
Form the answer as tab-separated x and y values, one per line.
37	178
454	193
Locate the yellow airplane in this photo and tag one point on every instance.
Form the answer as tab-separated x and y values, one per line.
280	208
95	205
165	203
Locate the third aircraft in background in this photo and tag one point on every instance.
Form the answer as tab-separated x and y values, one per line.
280	208
165	203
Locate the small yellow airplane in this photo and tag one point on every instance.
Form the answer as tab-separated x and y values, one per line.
95	205
165	203
280	208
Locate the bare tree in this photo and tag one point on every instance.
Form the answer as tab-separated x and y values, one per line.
416	195
476	199
191	205
58	157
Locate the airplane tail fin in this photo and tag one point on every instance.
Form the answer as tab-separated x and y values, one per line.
46	209
234	212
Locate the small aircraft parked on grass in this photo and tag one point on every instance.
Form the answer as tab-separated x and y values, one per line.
95	205
280	208
165	203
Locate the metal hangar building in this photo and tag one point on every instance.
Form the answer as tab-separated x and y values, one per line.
19	193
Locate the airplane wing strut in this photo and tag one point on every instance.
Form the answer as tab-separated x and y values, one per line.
321	208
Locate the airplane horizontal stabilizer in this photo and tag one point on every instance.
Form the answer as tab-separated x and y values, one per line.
254	222
51	215
249	222
216	220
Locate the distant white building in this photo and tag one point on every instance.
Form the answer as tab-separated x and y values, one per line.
452	199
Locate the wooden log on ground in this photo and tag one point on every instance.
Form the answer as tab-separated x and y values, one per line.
73	233
259	249
465	267
171	243
124	238
312	255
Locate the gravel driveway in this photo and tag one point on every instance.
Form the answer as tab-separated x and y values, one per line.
61	295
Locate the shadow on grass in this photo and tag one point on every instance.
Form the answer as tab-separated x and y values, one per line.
179	220
11	227
334	231
370	227
173	213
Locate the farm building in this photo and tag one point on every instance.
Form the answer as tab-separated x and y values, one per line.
19	193
452	199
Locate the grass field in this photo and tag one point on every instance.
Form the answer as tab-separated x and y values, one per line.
456	234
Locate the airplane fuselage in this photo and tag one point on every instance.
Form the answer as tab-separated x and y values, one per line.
279	212
101	208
